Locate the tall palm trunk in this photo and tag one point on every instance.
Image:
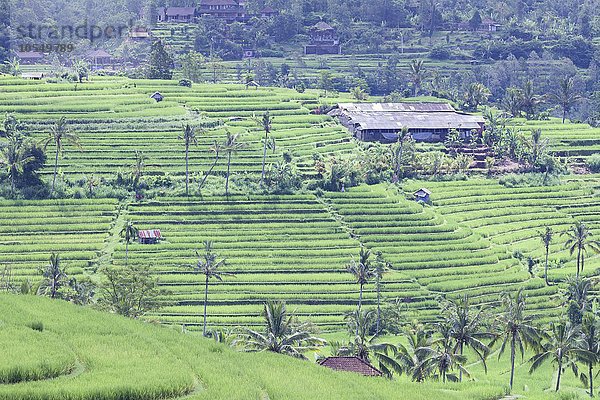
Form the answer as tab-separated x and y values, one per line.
559	373
512	361
126	252
360	295
187	170
578	259
209	171
205	303
227	177
55	169
378	307
460	370
546	266
264	158
564	117
591	375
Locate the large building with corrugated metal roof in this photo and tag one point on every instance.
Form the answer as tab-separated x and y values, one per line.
426	122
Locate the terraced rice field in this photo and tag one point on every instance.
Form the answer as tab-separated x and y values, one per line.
122	118
32	230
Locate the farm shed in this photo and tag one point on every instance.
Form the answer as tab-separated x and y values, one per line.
99	58
350	364
176	14
29	57
149	236
33	75
157	96
422	195
426	122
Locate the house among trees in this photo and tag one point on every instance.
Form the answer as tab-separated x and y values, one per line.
323	40
350	364
176	14
268	12
140	33
150	236
29	57
230	10
426	122
99	59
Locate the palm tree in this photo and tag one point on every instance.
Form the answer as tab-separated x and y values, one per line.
579	238
208	266
14	156
367	348
266	123
410	355
362	272
566	96
215	148
591	342
281	334
515	329
578	290
381	267
54	277
232	146
564	348
60	136
537	147
476	95
546	238
529	100
189	138
467	328
417	74
129	232
440	359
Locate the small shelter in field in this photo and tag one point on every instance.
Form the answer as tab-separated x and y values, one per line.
149	236
422	195
157	96
33	75
29	57
350	364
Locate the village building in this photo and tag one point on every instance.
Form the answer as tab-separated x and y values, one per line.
426	122
486	25
268	12
99	59
177	14
140	33
350	364
149	236
323	40
157	96
33	75
29	57
229	10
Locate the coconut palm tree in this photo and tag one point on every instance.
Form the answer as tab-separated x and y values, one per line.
590	328
566	96
467	328
189	138
60	136
381	267
215	148
14	156
410	355
529	100
266	123
398	150
362	271
579	238
208	266
563	348
280	335
129	232
367	349
54	277
417	74
546	238
577	291
232	146
515	329
537	147
440	359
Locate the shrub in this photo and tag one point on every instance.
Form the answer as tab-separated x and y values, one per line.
594	163
36	326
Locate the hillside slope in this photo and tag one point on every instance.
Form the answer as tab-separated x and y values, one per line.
85	354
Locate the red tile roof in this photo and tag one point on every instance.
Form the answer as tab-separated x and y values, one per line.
350	364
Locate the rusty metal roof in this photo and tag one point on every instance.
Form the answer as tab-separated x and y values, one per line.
396	107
